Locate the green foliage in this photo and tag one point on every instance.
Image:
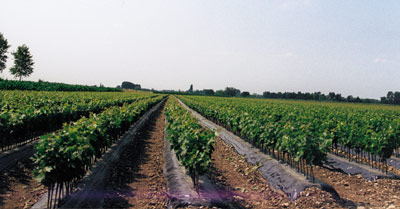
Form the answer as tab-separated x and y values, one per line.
391	98
245	94
231	91
23	62
208	91
192	143
332	96
129	85
67	155
305	130
3	52
24	114
50	86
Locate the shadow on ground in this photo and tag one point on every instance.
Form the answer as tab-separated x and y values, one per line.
127	170
17	174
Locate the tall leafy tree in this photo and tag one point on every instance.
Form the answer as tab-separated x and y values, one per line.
23	62
245	94
191	88
396	97
3	52
230	91
390	97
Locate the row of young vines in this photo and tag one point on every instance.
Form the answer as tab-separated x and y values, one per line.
192	143
299	130
27	114
63	158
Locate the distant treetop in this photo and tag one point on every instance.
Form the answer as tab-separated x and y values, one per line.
3	52
129	85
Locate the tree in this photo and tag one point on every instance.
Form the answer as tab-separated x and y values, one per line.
208	91
338	97
390	97
267	94
331	96
245	94
350	98
384	100
317	96
191	88
3	52
396	97
220	93
129	85
23	63
230	91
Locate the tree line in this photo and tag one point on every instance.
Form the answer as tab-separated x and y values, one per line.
23	60
391	98
228	92
51	86
318	96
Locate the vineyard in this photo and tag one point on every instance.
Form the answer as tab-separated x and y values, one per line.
26	114
306	131
146	150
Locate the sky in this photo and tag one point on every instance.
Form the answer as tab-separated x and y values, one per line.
349	47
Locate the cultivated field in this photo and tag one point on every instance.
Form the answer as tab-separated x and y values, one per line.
145	150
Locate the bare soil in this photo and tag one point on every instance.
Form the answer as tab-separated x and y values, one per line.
358	192
244	184
18	189
138	180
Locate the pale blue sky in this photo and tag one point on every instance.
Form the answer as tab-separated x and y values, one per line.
346	46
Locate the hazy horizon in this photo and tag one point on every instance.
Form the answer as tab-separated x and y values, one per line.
348	47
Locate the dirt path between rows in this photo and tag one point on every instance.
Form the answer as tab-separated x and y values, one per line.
246	187
18	189
138	181
358	192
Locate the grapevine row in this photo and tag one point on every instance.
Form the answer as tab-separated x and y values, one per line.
192	143
24	114
304	130
64	157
